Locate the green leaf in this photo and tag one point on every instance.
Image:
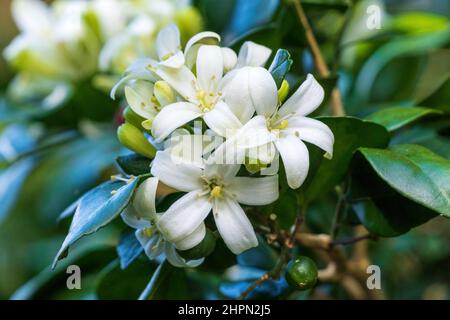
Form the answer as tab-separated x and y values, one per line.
11	181
350	134
375	221
90	255
96	209
419	22
69	171
397	117
133	164
128	248
116	283
280	66
159	276
397	49
415	172
167	282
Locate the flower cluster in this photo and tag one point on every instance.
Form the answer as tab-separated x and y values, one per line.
68	41
238	104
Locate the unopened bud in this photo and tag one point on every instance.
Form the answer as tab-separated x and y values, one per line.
229	59
133	118
134	139
283	91
189	21
164	93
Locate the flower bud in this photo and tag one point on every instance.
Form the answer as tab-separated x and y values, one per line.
189	21
134	139
203	249
229	59
283	91
144	198
163	93
133	118
254	165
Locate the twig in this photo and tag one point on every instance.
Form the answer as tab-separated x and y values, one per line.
336	102
254	285
287	245
298	222
352	240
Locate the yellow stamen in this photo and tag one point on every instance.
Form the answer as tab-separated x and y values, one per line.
166	56
216	192
148	232
283	124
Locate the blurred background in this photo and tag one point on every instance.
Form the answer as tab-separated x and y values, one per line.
404	62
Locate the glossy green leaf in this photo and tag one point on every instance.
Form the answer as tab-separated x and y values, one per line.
350	134
117	283
128	248
280	66
96	209
407	45
397	117
415	172
133	164
375	220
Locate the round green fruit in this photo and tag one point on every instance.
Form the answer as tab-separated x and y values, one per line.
301	273
203	249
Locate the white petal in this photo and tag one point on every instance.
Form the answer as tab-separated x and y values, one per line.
229	59
180	175
222	121
31	15
248	89
253	55
172	117
138	96
175	61
312	131
209	68
168	42
184	216
181	80
202	36
295	159
254	191
224	171
233	151
139	70
264	153
193	239
234	226
254	133
177	261
305	100
133	219
144	198
153	246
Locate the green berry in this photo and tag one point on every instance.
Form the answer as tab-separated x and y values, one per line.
301	273
203	249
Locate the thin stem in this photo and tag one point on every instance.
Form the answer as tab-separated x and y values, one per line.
352	240
254	285
337	107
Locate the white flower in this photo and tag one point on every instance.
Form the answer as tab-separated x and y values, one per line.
168	48
202	94
141	215
286	127
216	188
